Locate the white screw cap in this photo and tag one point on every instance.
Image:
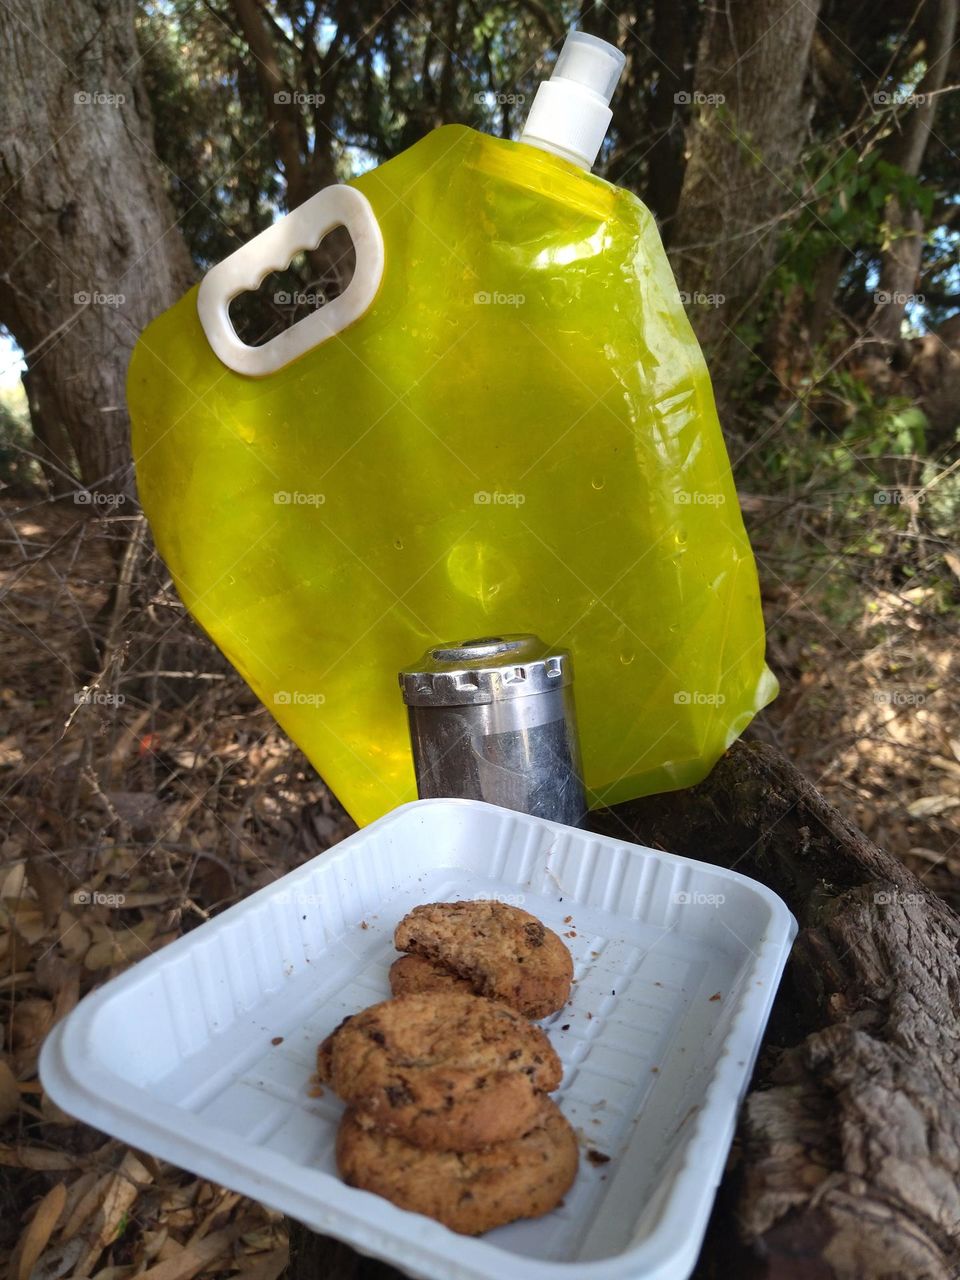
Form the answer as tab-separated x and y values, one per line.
570	113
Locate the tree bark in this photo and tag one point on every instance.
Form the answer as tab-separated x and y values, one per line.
665	163
901	260
847	1156
91	252
750	113
306	168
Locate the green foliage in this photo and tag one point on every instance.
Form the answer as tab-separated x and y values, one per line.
211	134
842	204
19	473
848	468
368	82
942	499
376	78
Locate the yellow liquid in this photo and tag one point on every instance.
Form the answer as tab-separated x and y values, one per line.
518	435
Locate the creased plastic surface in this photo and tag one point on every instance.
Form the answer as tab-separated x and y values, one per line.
518	435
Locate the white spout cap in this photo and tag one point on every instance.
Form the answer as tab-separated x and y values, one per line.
570	113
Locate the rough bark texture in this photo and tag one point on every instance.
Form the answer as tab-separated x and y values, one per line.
901	260
934	374
846	1164
91	252
665	158
750	115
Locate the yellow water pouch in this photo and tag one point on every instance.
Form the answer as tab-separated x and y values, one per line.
515	433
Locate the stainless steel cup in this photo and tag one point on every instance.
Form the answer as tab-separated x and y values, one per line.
493	719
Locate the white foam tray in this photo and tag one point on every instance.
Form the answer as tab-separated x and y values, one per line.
677	963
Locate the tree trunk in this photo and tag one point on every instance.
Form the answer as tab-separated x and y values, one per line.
307	168
901	260
749	119
847	1156
665	162
91	252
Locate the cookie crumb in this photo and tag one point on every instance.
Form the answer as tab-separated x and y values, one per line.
715	996
565	1027
364	925
277	1040
571	933
597	1157
568	919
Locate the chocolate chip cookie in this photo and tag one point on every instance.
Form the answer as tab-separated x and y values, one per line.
415	974
468	1192
501	951
444	1070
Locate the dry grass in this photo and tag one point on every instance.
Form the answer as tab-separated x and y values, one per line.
133	762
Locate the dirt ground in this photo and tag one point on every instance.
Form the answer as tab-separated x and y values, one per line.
134	762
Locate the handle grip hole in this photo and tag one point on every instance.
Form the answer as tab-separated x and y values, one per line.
311	280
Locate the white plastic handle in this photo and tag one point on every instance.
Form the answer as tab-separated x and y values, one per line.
272	250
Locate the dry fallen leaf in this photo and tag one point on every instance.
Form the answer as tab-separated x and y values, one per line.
48	884
267	1266
9	1093
39	1230
931	806
38	1158
28	921
32	1019
949	766
116	1194
188	1262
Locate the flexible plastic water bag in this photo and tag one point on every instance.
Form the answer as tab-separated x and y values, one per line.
504	424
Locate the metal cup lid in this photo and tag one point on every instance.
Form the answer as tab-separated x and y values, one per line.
486	669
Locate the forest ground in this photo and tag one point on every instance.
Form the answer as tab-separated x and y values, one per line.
179	792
